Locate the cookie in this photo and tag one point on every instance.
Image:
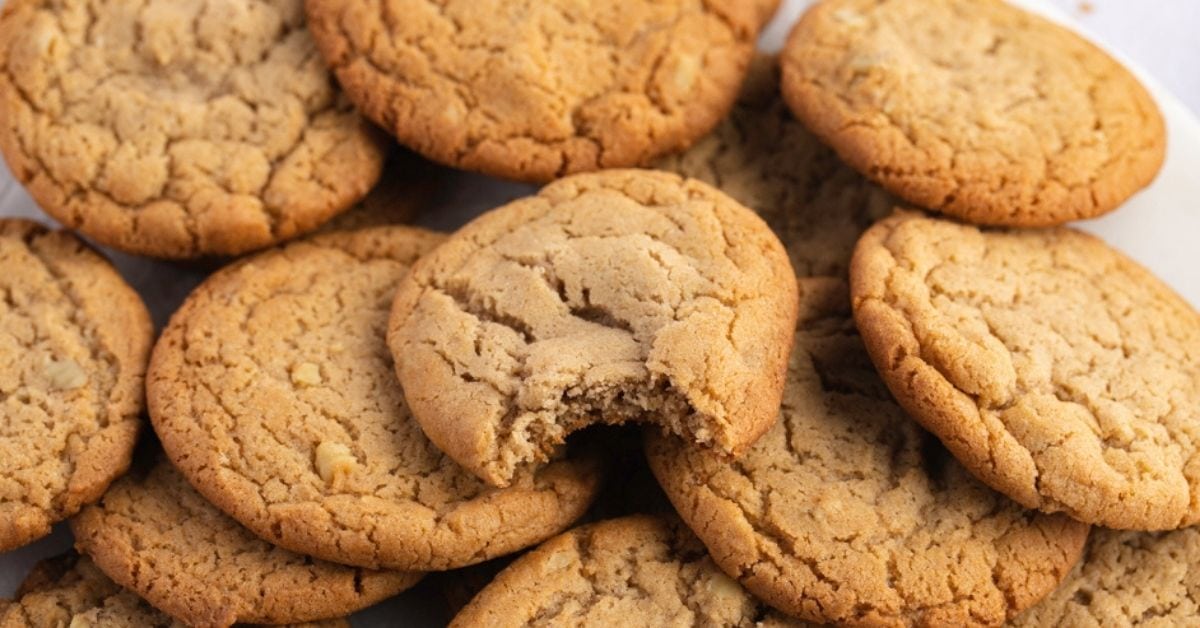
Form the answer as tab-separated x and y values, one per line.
607	297
847	512
273	391
153	534
640	568
1055	369
533	90
73	347
766	160
178	129
1127	579
70	591
408	186
973	108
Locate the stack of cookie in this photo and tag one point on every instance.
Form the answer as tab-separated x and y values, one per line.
875	380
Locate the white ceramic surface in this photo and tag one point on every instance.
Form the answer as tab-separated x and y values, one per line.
1158	227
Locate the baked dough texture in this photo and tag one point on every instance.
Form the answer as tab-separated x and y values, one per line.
274	392
537	89
1055	368
640	569
847	512
766	160
1127	579
607	297
178	128
74	340
153	534
974	108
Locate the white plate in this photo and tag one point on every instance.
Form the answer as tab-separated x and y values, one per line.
1157	227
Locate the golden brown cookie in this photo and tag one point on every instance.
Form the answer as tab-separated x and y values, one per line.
153	534
1055	369
1127	579
274	392
766	160
607	297
69	591
178	129
640	569
74	340
847	512
537	89
973	108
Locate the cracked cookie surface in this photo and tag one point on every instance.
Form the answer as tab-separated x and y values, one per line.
74	340
153	534
607	297
641	568
273	390
537	89
847	512
974	108
1127	579
765	159
1055	368
178	128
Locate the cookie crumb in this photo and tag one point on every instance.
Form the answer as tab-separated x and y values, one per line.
306	374
65	374
334	463
80	621
1086	8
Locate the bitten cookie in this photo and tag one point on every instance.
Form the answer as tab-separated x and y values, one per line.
1127	579
537	89
154	534
1054	368
638	569
274	392
607	297
178	129
973	108
766	160
74	340
848	513
69	591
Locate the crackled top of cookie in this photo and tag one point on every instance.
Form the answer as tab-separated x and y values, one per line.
154	534
766	160
74	339
274	391
847	512
614	296
1127	579
606	573
178	128
1056	369
974	108
537	89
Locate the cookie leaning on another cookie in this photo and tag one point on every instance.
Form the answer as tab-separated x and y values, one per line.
178	129
973	108
607	297
537	89
74	340
1055	368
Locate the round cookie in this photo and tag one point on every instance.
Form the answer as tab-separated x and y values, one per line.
1127	579
537	89
847	512
74	340
606	573
1055	369
607	297
973	108
272	389
153	534
178	129
766	160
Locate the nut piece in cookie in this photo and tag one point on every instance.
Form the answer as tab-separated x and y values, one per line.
74	341
973	108
1056	369
607	297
